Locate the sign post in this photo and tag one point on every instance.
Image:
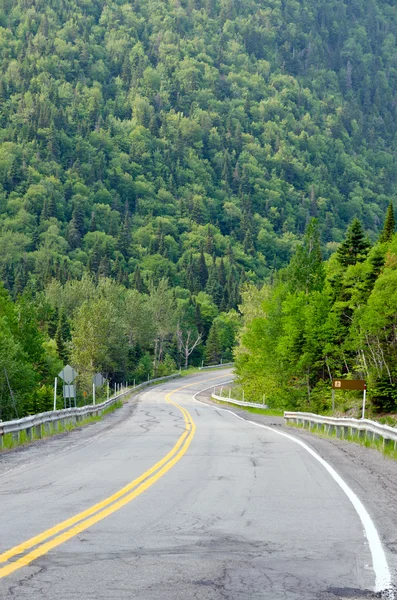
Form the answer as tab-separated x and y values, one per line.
349	384
364	398
55	393
97	380
68	375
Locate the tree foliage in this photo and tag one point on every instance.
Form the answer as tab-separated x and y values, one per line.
191	143
294	341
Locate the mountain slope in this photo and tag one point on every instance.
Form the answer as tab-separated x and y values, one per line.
127	127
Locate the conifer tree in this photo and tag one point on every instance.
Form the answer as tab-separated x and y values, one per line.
377	261
213	286
94	258
202	269
355	247
222	274
389	226
137	279
124	238
213	349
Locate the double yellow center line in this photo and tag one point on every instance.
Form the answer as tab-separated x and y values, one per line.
51	538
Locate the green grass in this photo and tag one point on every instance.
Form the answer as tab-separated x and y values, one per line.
385	447
9	442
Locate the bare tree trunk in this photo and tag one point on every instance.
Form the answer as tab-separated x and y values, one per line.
384	361
156	342
308	384
329	370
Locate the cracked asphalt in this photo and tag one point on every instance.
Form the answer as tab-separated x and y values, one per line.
244	515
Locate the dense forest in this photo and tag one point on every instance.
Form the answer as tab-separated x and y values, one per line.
319	321
178	150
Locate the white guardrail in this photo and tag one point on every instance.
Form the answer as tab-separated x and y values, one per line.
237	402
37	426
343	427
230	364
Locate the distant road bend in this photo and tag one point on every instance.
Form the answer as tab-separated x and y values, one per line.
169	498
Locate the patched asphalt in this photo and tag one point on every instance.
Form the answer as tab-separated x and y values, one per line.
244	515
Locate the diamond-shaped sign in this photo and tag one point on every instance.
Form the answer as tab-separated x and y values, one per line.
98	379
68	374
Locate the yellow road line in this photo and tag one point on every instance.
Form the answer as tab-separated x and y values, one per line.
87	518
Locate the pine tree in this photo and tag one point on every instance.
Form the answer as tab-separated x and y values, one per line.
209	242
74	237
124	239
53	322
44	211
78	219
62	335
377	261
202	270
213	349
51	207
389	226
224	302
137	281
222	274
355	247
95	258
213	287
226	171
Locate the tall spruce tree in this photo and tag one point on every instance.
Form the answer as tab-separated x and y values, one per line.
389	226
213	350
202	269
355	247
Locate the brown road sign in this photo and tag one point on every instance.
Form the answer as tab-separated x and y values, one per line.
349	384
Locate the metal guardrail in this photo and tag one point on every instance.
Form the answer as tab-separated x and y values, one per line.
230	364
343	427
237	402
37	426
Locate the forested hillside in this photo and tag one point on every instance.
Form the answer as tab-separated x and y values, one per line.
321	321
189	142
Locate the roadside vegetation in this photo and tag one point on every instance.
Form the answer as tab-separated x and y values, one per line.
160	161
322	320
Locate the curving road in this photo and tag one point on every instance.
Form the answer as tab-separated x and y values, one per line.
172	499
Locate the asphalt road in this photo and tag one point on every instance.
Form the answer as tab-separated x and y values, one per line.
233	512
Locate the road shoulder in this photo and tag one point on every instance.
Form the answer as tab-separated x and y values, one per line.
371	475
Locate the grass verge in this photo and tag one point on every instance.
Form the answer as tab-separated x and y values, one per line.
384	446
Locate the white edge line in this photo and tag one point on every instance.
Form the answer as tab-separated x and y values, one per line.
383	580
